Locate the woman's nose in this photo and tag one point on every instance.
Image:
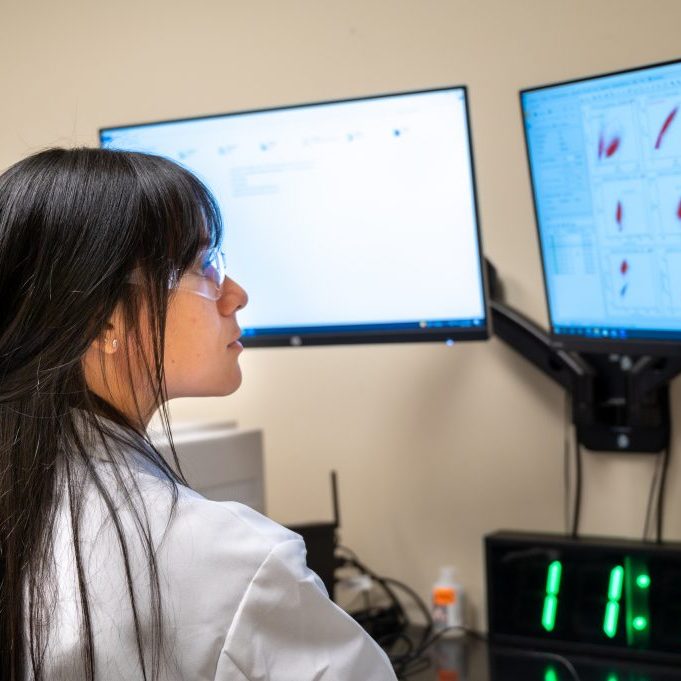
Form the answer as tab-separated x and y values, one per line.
234	298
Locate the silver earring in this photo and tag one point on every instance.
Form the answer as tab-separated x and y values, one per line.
114	344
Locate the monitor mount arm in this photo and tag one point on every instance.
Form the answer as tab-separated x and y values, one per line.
619	402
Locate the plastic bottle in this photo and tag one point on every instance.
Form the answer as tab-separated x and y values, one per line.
448	604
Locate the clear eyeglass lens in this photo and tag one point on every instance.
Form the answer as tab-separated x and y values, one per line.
209	279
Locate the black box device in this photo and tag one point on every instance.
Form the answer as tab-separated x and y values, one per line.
590	595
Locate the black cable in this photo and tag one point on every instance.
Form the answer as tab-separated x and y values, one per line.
416	666
550	656
567	475
652	495
413	660
572	497
421	605
393	640
417	599
353	556
379	580
661	493
349	551
402	619
578	490
404	659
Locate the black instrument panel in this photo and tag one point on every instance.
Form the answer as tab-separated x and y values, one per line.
616	597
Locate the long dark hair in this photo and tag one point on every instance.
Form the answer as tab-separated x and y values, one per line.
73	225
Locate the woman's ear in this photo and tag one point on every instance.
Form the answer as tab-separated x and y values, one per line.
110	347
107	342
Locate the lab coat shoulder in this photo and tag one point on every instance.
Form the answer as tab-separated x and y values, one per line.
248	606
287	629
209	555
226	542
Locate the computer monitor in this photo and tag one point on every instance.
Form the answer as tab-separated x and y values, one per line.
605	163
349	221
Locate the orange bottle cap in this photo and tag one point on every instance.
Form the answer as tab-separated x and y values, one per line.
444	595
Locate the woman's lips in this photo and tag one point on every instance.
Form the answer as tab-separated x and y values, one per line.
236	343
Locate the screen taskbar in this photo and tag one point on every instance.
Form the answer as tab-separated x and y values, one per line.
617	333
440	325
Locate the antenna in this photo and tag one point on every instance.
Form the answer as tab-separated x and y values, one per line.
334	498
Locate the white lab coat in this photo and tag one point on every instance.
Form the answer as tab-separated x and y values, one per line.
239	602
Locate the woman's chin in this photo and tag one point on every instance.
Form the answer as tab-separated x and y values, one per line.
228	385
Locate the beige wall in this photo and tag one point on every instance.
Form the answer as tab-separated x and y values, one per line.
435	446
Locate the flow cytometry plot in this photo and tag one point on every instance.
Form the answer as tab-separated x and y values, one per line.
669	204
609	142
625	208
612	137
664	121
665	127
632	278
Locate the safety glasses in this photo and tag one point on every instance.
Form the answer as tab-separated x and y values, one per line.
205	279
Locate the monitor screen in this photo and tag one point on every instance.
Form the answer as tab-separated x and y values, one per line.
347	221
605	164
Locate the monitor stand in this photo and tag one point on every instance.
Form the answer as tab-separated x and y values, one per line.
619	402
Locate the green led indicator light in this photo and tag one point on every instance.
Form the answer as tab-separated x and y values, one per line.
612	612
616	582
612	609
637	584
643	581
613	677
548	618
553	577
640	623
550	674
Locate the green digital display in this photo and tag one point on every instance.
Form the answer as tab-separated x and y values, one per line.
638	588
620	595
550	674
612	608
551	600
643	581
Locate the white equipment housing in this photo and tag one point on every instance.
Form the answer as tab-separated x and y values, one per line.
220	461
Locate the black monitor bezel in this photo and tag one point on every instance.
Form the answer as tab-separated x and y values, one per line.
416	335
607	345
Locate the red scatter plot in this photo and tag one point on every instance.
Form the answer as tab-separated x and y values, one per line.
618	214
607	147
624	267
612	147
665	126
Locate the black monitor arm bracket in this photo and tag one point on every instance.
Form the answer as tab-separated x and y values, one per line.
619	402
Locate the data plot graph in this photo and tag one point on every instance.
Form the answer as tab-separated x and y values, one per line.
624	208
665	127
664	119
633	281
612	137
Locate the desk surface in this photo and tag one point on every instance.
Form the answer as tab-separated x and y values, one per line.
467	659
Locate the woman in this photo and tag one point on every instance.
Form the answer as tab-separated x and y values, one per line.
113	301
